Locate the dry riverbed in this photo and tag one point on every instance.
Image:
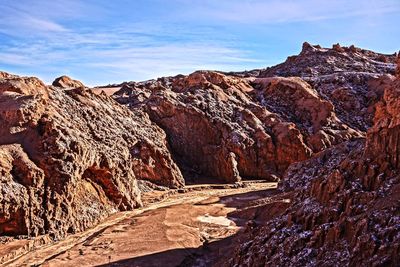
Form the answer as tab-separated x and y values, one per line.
175	228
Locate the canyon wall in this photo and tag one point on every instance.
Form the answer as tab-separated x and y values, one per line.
71	158
344	207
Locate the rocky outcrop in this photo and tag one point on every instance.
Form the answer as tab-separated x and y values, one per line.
6	75
341	75
21	184
22	85
331	101
70	158
345	204
210	130
315	60
383	138
398	65
229	127
67	82
295	101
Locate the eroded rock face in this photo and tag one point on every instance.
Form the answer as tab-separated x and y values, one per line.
383	138
398	65
21	193
67	82
71	157
331	100
341	75
297	102
345	207
229	127
22	85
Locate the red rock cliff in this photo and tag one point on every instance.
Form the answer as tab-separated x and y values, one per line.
71	158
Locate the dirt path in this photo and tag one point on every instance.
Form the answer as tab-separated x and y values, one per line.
164	233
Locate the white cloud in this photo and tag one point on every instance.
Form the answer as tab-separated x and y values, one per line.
43	35
124	54
19	23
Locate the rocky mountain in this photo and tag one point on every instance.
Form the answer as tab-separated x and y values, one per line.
325	123
227	127
345	207
341	75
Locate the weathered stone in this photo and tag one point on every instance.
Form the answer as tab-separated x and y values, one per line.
228	127
67	82
74	158
348	70
345	204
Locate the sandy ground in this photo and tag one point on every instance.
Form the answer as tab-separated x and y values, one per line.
107	90
175	230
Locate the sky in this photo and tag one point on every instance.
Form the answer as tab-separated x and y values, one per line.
103	41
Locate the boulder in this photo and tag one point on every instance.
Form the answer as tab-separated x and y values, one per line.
67	82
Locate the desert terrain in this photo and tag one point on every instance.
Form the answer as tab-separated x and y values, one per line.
177	229
291	165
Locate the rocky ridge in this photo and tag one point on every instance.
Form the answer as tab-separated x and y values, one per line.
71	158
228	127
345	203
342	75
325	122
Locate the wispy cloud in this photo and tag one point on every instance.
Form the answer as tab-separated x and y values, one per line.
102	41
28	26
26	18
125	50
125	54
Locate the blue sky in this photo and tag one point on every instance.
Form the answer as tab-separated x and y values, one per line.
104	41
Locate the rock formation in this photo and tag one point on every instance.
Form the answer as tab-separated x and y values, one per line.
398	65
345	203
255	127
228	127
341	75
295	101
67	82
70	158
325	121
383	140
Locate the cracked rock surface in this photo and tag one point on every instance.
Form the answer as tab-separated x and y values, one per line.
345	202
232	128
71	158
